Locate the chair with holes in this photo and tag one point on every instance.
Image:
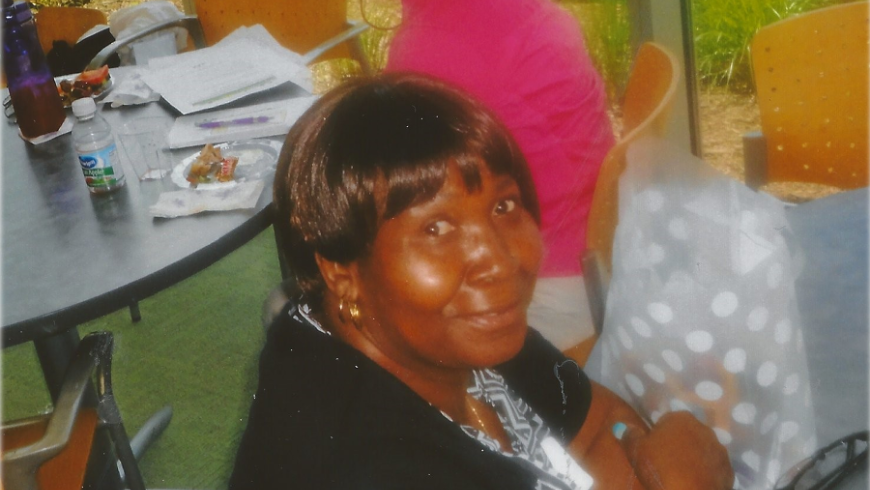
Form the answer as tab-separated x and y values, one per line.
65	24
317	28
649	96
811	77
51	452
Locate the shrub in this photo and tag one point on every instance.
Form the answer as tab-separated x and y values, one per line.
723	30
607	32
37	4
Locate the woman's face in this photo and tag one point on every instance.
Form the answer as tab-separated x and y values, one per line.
448	281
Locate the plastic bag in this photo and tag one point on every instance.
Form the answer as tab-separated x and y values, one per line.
701	312
130	20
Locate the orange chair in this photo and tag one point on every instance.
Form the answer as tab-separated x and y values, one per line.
649	96
51	452
811	78
65	24
318	29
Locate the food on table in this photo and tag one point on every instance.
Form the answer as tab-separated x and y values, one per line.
210	165
87	84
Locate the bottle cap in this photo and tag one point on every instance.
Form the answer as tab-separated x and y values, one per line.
84	107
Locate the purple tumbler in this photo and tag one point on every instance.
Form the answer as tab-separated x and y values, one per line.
34	95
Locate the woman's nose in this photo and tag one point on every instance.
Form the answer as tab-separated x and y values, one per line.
489	255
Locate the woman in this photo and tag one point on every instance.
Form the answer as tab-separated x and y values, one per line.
409	217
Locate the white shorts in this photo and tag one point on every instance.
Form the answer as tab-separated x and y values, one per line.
560	311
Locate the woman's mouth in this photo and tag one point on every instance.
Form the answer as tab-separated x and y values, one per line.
497	317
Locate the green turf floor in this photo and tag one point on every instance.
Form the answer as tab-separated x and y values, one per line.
195	349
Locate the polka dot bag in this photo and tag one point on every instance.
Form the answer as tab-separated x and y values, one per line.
701	312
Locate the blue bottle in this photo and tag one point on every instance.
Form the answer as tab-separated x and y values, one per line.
37	104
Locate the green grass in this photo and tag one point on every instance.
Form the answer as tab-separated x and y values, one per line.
195	349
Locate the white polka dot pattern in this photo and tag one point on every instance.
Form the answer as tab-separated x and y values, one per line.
751	459
735	360
792	382
624	338
724	304
678	229
641	327
782	332
673	360
701	315
655	253
660	312
788	430
757	319
723	435
709	390
744	413
766	374
654	372
699	341
635	384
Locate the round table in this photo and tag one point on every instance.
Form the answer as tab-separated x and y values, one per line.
70	256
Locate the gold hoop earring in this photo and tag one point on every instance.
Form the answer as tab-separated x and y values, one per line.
352	310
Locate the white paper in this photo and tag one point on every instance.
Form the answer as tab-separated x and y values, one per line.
214	76
282	115
188	201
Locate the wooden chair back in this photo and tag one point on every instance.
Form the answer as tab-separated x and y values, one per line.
299	25
66	471
649	96
811	76
65	24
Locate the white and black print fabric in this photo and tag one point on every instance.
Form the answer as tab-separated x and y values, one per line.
531	442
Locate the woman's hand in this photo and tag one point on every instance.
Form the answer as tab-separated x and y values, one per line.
678	453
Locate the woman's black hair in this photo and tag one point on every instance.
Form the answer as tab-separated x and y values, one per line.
368	150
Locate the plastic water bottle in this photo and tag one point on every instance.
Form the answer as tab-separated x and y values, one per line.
95	146
38	108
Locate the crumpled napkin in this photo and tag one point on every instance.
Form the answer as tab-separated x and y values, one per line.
188	201
65	128
131	90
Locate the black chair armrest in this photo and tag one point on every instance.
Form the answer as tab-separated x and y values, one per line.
755	159
596	278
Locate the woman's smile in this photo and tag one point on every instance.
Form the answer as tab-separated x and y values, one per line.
497	318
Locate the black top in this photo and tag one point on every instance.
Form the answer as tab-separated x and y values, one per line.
325	416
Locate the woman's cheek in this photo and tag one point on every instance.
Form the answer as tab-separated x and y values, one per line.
428	282
529	245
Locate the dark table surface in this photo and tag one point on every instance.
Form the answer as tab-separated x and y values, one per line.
70	257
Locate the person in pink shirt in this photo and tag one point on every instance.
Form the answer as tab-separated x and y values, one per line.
527	61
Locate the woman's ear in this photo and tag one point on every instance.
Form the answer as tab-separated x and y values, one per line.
341	279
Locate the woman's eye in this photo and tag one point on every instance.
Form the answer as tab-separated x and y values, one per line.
505	206
439	228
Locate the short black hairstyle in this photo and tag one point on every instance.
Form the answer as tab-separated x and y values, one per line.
371	148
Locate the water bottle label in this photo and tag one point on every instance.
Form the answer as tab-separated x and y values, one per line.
101	167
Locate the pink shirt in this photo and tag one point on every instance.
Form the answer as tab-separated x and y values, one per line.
526	60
